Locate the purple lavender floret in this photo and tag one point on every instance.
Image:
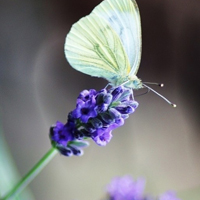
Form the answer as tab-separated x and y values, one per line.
85	109
62	133
96	115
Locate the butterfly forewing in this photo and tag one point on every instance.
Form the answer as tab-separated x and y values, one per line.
123	16
94	48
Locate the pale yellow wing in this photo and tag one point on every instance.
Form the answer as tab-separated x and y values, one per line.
94	48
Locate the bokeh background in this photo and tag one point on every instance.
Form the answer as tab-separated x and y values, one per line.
38	87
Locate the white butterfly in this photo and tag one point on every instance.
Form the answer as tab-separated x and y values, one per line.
107	43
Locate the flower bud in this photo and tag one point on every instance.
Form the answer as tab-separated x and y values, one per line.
97	123
107	98
123	109
114	113
107	118
116	93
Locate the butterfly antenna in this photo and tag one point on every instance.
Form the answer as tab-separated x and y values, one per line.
169	102
158	84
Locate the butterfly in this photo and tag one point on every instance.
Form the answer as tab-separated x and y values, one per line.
107	43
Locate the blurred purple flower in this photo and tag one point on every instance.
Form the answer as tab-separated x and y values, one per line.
170	195
125	188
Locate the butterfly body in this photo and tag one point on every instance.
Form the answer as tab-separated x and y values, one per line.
107	43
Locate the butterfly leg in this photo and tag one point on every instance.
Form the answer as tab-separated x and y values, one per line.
109	84
132	94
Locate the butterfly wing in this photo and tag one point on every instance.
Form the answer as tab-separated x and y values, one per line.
124	17
94	48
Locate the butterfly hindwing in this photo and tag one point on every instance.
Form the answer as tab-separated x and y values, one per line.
123	16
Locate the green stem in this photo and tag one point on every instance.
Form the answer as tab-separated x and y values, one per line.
31	174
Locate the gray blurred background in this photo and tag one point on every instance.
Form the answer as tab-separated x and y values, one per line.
38	87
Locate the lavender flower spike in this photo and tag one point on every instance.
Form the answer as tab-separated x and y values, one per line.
96	115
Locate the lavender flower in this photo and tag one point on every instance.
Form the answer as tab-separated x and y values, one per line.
125	188
96	115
